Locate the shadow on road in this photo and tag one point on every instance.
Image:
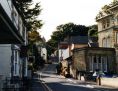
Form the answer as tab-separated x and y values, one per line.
72	87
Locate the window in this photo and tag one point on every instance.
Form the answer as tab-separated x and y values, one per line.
106	42
90	63
104	64
99	63
16	62
95	63
99	59
117	19
95	60
117	38
105	23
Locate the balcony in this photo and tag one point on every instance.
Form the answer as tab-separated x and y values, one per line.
9	31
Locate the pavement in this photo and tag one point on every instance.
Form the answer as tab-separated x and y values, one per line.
91	84
38	84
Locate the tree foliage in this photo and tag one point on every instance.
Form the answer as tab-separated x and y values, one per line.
73	29
93	31
70	29
33	36
30	13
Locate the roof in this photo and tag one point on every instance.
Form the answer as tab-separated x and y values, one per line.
93	42
79	39
94	39
95	48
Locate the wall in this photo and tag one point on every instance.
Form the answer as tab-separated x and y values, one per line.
79	60
109	31
5	57
80	45
105	34
63	53
113	82
44	53
6	4
13	14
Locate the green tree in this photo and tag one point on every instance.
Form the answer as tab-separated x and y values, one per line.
93	30
51	46
73	29
30	13
63	31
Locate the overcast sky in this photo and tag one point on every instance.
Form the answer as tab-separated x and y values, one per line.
56	12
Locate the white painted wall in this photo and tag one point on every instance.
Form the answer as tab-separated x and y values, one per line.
64	53
6	4
13	14
44	53
5	60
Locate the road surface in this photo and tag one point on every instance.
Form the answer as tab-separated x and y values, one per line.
59	83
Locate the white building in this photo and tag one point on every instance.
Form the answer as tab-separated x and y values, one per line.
44	53
12	37
63	54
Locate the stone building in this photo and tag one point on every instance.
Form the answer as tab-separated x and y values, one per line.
107	20
89	59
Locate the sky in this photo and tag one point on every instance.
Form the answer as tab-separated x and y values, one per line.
57	12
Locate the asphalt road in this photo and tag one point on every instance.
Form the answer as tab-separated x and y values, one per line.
59	83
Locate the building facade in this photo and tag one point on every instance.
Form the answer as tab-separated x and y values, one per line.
107	20
12	37
89	59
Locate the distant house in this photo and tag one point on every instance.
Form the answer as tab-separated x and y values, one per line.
44	53
42	50
63	50
85	56
66	47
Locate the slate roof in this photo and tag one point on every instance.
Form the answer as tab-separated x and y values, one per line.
93	41
79	39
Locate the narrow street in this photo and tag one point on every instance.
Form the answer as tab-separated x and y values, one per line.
53	82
